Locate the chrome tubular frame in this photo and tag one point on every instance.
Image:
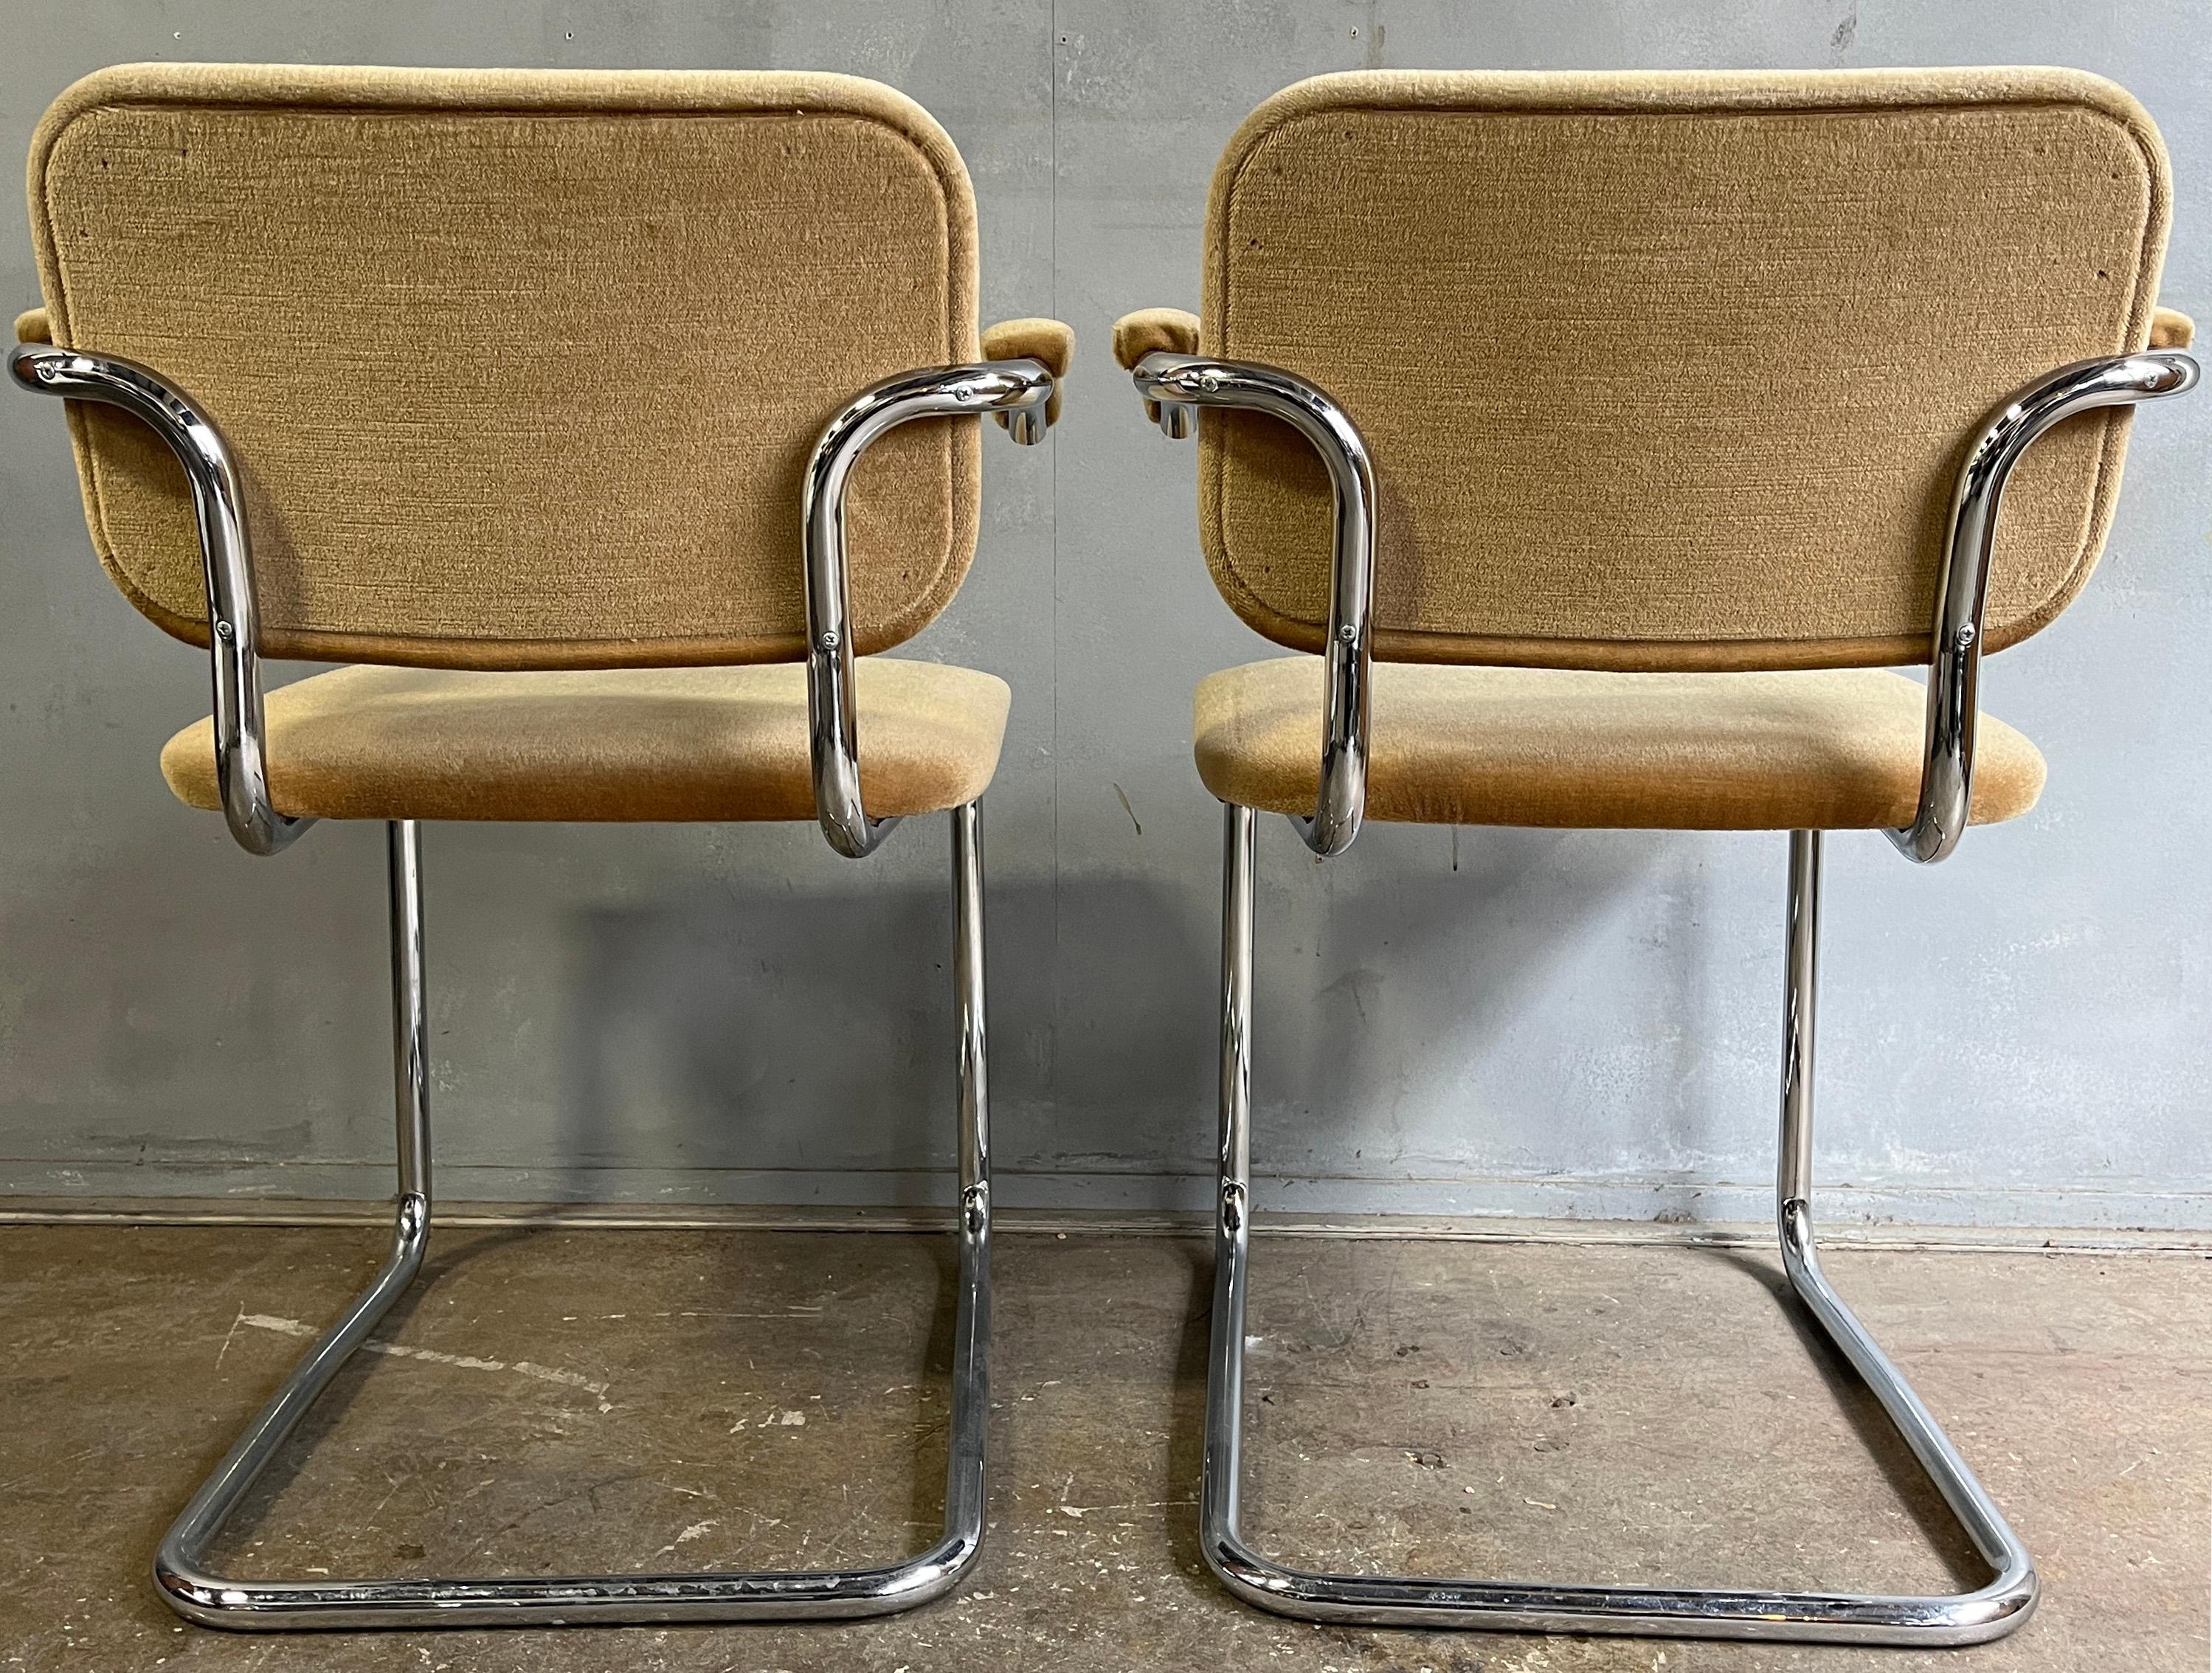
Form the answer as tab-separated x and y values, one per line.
1018	391
1954	674
543	1600
1173	386
1176	386
1990	1611
234	626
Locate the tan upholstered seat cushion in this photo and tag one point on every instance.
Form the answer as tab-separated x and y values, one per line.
1817	749
689	744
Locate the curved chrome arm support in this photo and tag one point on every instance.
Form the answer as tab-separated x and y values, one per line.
1178	385
1947	770
240	767
1017	392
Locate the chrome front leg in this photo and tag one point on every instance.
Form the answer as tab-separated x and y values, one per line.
185	1586
1225	1403
2006	1600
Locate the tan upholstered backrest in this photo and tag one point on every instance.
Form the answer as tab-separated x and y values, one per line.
521	367
1673	371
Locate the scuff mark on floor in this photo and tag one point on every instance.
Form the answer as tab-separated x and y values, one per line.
229	1337
543	1373
696	1530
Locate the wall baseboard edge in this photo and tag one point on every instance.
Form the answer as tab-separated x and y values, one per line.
276	1212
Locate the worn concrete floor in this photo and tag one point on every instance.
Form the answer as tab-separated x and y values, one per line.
593	1399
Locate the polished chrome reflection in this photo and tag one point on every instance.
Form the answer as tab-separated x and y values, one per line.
1178	385
1989	1612
964	1487
1225	1369
1014	390
1174	386
234	635
1947	768
548	1600
1026	425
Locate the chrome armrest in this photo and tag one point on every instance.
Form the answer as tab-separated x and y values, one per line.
1176	386
233	637
1954	672
1018	391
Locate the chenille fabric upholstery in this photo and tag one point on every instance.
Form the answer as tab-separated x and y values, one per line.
1666	379
1795	749
521	367
1049	342
674	743
1175	331
1154	330
521	370
1672	371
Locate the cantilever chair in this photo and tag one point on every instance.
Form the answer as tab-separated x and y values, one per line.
1605	436
550	402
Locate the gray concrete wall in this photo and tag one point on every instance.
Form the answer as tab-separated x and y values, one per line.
1468	1021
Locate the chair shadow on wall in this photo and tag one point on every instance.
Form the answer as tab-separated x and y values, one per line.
731	1027
1450	950
732	1022
753	1027
743	1029
755	1030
